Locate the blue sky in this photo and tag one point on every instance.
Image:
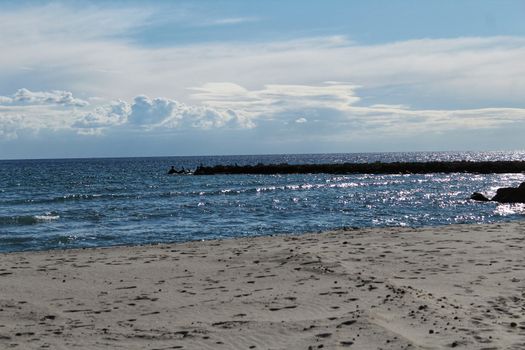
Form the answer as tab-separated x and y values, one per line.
141	78
363	21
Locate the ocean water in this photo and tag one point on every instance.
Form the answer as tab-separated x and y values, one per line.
48	204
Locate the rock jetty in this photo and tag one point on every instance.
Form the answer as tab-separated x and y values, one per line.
504	195
368	168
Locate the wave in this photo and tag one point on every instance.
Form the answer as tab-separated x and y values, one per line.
70	197
277	188
20	220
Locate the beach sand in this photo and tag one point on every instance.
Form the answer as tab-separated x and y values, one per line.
460	286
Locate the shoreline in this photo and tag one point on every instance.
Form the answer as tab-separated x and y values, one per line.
391	288
280	234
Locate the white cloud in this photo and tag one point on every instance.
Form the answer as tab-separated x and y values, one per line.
59	23
339	99
34	118
146	111
166	113
56	97
228	21
5	100
9	126
111	115
158	113
33	111
276	98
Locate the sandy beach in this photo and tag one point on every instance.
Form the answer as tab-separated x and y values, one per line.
460	286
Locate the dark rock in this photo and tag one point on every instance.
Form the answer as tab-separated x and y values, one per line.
476	196
510	194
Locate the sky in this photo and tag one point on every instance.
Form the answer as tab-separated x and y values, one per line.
162	78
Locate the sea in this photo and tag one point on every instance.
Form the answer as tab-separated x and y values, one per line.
76	203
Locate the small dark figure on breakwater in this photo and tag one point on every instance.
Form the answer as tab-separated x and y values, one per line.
504	195
174	171
479	197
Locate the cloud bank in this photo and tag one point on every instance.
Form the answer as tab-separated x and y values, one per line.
330	108
83	75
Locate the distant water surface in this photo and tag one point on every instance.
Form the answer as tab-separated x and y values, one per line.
46	204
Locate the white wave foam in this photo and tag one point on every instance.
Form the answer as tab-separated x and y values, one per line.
47	217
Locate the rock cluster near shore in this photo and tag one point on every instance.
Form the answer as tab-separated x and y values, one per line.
504	195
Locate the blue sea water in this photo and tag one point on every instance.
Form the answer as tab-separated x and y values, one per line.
47	204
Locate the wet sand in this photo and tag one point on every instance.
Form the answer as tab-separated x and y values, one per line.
460	286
